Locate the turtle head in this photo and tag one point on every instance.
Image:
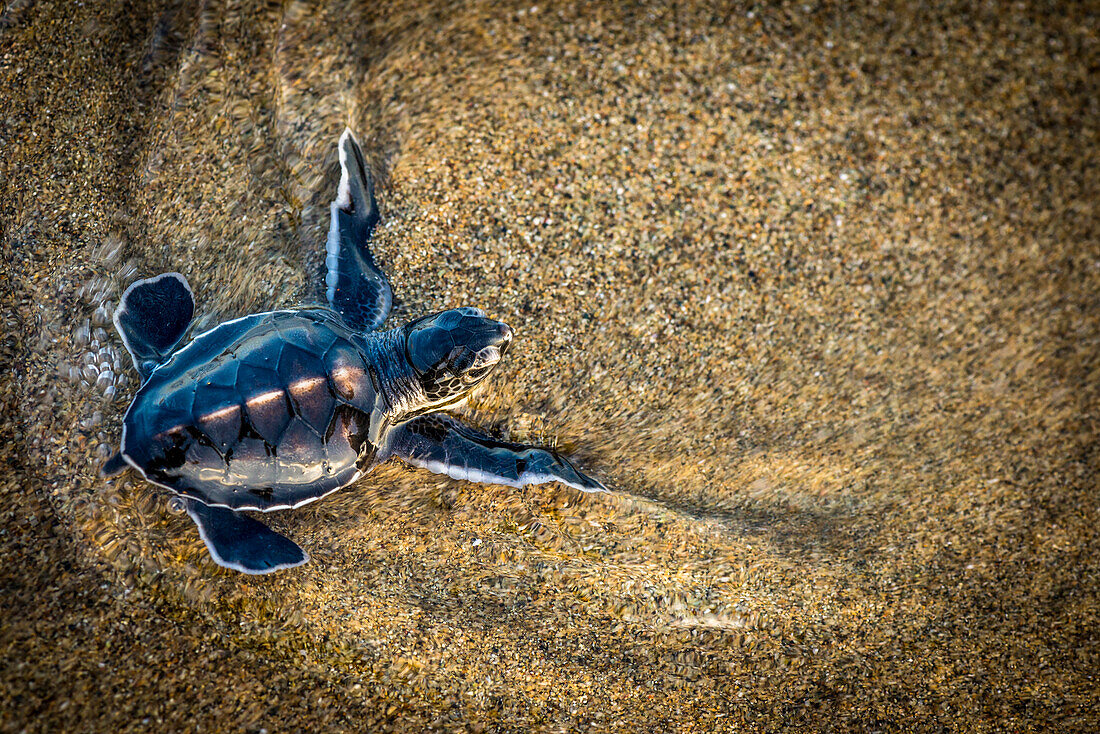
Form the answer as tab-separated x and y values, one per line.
452	351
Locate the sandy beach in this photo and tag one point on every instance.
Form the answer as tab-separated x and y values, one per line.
812	288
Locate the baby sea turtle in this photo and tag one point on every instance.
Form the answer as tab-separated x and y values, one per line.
277	409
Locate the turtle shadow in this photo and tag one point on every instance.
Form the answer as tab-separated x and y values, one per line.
529	572
836	530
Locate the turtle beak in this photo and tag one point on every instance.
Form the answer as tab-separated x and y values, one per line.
496	343
505	339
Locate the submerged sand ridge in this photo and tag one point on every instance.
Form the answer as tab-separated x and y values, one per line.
810	288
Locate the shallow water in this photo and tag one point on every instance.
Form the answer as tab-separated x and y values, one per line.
811	289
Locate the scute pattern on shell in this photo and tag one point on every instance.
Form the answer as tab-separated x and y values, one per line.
263	412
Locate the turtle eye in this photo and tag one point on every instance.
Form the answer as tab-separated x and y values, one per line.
477	373
482	362
459	360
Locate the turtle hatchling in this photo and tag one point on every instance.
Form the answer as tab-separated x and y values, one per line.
274	410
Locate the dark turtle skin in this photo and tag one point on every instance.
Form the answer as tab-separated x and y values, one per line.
277	409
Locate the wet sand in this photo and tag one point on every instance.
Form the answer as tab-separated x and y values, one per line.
812	289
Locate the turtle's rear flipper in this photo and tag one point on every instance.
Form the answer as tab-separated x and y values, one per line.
152	317
443	445
113	466
237	541
356	287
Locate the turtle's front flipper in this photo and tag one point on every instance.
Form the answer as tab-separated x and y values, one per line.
237	541
152	317
443	445
356	286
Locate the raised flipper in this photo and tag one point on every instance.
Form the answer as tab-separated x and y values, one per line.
443	445
356	287
238	542
152	317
